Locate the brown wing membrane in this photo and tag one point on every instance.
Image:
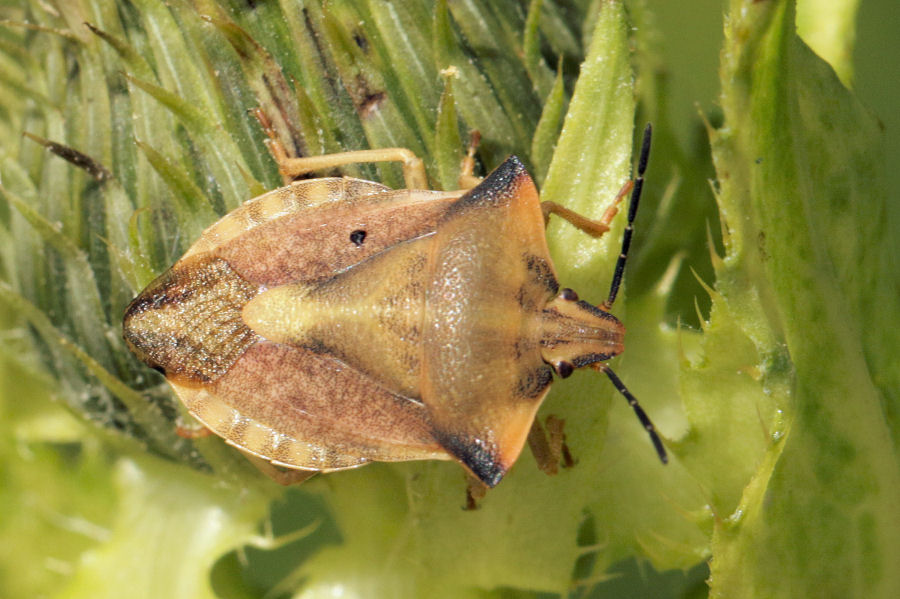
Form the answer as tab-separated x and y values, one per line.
187	322
490	276
281	403
305	232
305	411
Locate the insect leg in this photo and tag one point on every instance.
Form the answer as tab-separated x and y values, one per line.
475	492
629	228
549	445
467	178
638	410
542	449
289	167
594	228
413	167
272	141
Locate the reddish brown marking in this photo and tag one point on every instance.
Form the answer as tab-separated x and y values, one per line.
321	401
307	247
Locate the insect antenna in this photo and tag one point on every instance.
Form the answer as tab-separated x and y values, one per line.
638	410
632	211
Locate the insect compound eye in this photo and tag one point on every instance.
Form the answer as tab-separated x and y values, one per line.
568	294
564	369
357	237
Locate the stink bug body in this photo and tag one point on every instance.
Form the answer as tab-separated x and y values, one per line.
334	322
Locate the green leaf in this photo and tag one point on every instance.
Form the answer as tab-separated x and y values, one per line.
152	520
190	204
807	225
547	131
475	96
538	72
447	143
595	143
831	33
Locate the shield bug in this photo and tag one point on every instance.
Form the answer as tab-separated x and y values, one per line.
334	322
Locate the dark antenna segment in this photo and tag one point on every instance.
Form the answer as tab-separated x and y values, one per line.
638	410
632	211
614	290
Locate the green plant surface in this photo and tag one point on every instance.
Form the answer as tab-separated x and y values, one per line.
760	298
831	485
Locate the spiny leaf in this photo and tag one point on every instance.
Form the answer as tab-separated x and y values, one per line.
827	488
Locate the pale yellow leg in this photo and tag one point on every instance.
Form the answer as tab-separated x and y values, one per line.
467	180
413	167
594	228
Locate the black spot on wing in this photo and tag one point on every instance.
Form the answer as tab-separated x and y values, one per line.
358	237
